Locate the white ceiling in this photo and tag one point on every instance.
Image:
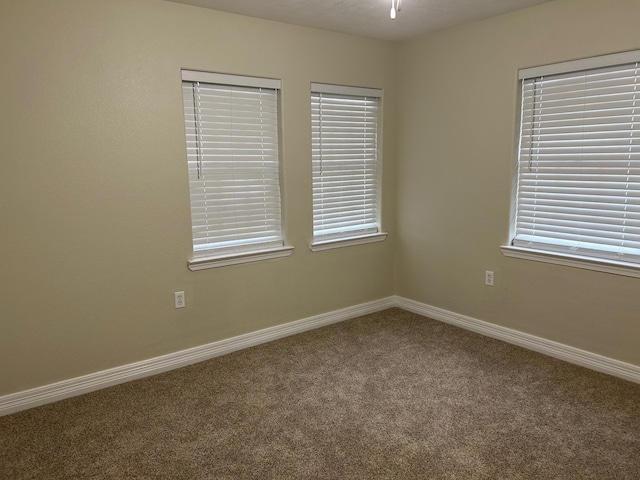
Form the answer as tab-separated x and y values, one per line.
369	18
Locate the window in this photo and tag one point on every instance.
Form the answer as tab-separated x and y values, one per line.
345	133
578	191
231	126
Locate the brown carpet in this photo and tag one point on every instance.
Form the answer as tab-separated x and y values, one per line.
388	395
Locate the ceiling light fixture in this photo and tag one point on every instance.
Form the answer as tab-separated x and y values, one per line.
395	8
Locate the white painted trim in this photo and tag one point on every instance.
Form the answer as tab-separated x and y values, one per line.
593	361
237	258
347	242
34	397
54	392
576	261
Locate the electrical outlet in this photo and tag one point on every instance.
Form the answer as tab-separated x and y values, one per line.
179	300
488	278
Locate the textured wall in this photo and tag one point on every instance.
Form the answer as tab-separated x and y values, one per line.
94	204
94	194
457	137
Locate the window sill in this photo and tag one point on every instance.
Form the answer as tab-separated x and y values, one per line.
237	258
577	261
346	242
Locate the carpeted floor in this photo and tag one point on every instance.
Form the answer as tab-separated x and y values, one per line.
390	395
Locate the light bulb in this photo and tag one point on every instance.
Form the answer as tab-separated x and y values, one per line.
393	13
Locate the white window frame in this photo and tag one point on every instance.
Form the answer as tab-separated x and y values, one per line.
623	259
226	165
341	232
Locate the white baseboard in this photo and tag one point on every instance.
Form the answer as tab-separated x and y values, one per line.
593	361
26	399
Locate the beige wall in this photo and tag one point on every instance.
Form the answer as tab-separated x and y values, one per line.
456	149
94	195
94	203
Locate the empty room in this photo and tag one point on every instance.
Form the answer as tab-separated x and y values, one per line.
302	239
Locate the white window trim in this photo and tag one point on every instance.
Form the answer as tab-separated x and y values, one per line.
576	261
234	257
205	263
347	242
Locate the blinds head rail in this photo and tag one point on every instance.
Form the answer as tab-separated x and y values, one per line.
582	64
228	79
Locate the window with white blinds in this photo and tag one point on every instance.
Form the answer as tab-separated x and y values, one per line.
579	159
345	122
231	125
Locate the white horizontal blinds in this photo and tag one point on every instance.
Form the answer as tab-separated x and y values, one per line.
579	163
344	162
233	163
